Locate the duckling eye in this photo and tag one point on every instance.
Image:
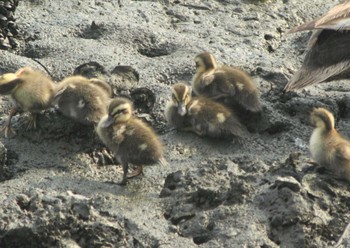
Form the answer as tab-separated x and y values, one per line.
121	111
197	64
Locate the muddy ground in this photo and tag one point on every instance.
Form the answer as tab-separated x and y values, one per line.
56	188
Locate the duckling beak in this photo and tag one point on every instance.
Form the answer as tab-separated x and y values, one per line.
181	109
107	122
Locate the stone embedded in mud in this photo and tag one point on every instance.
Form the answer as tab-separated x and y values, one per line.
171	183
91	69
143	99
289	182
123	79
82	210
23	201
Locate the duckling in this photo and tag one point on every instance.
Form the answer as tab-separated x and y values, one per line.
175	109
131	140
328	147
32	91
201	115
84	100
328	53
225	83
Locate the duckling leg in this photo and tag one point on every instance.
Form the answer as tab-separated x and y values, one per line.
32	121
7	129
125	174
136	172
192	129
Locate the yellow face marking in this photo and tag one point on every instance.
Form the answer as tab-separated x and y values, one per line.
182	96
221	117
213	60
72	86
199	65
120	107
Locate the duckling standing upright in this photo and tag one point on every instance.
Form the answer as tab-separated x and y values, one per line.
84	100
225	83
201	115
329	148
32	91
131	140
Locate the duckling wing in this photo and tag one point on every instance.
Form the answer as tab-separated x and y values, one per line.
103	85
244	90
217	85
235	127
340	161
327	59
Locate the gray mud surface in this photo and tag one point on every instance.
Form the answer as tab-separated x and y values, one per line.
255	192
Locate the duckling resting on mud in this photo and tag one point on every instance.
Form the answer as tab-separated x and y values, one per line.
328	147
229	84
201	115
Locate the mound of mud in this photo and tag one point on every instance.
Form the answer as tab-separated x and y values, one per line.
55	182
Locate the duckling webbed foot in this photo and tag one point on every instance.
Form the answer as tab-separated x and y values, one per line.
314	166
192	129
31	122
136	172
8	131
125	175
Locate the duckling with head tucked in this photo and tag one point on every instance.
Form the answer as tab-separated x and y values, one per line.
226	83
328	147
201	115
131	140
32	91
84	100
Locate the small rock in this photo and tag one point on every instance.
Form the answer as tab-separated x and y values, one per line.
289	182
22	200
82	210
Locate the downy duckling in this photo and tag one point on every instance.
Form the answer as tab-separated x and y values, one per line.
131	140
84	100
328	147
201	115
175	109
32	91
328	53
226	83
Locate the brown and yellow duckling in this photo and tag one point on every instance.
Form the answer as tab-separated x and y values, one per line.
84	100
224	83
328	147
131	140
328	54
32	91
201	115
